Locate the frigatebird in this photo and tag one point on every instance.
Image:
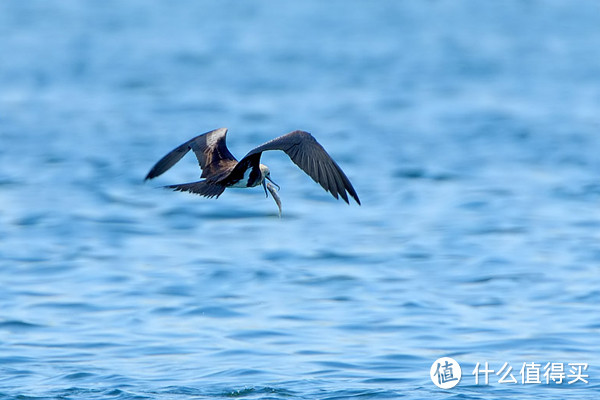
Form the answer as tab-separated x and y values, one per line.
221	170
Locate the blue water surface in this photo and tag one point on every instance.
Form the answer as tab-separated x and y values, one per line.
470	129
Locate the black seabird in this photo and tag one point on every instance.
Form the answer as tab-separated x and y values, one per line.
220	169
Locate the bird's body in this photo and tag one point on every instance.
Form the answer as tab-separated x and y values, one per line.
221	170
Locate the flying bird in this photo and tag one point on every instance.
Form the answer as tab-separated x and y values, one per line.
221	170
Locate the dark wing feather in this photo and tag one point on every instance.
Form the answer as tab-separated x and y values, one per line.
168	161
210	149
203	188
311	157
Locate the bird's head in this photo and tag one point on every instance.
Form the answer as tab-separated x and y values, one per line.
266	175
264	171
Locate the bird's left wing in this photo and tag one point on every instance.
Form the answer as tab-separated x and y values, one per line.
304	150
210	149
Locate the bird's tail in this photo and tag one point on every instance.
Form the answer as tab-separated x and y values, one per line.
203	188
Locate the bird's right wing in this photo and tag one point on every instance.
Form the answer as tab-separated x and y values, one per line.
210	149
304	150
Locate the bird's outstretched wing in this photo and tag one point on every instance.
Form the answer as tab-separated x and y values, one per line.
210	150
203	188
311	157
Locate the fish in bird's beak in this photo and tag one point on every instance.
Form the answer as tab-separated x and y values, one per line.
264	182
271	180
270	186
275	195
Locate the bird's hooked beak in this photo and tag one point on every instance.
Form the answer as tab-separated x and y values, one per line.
265	185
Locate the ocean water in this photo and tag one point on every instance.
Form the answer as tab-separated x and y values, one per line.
469	129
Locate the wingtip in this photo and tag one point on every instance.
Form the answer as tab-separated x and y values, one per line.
355	197
153	173
352	193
